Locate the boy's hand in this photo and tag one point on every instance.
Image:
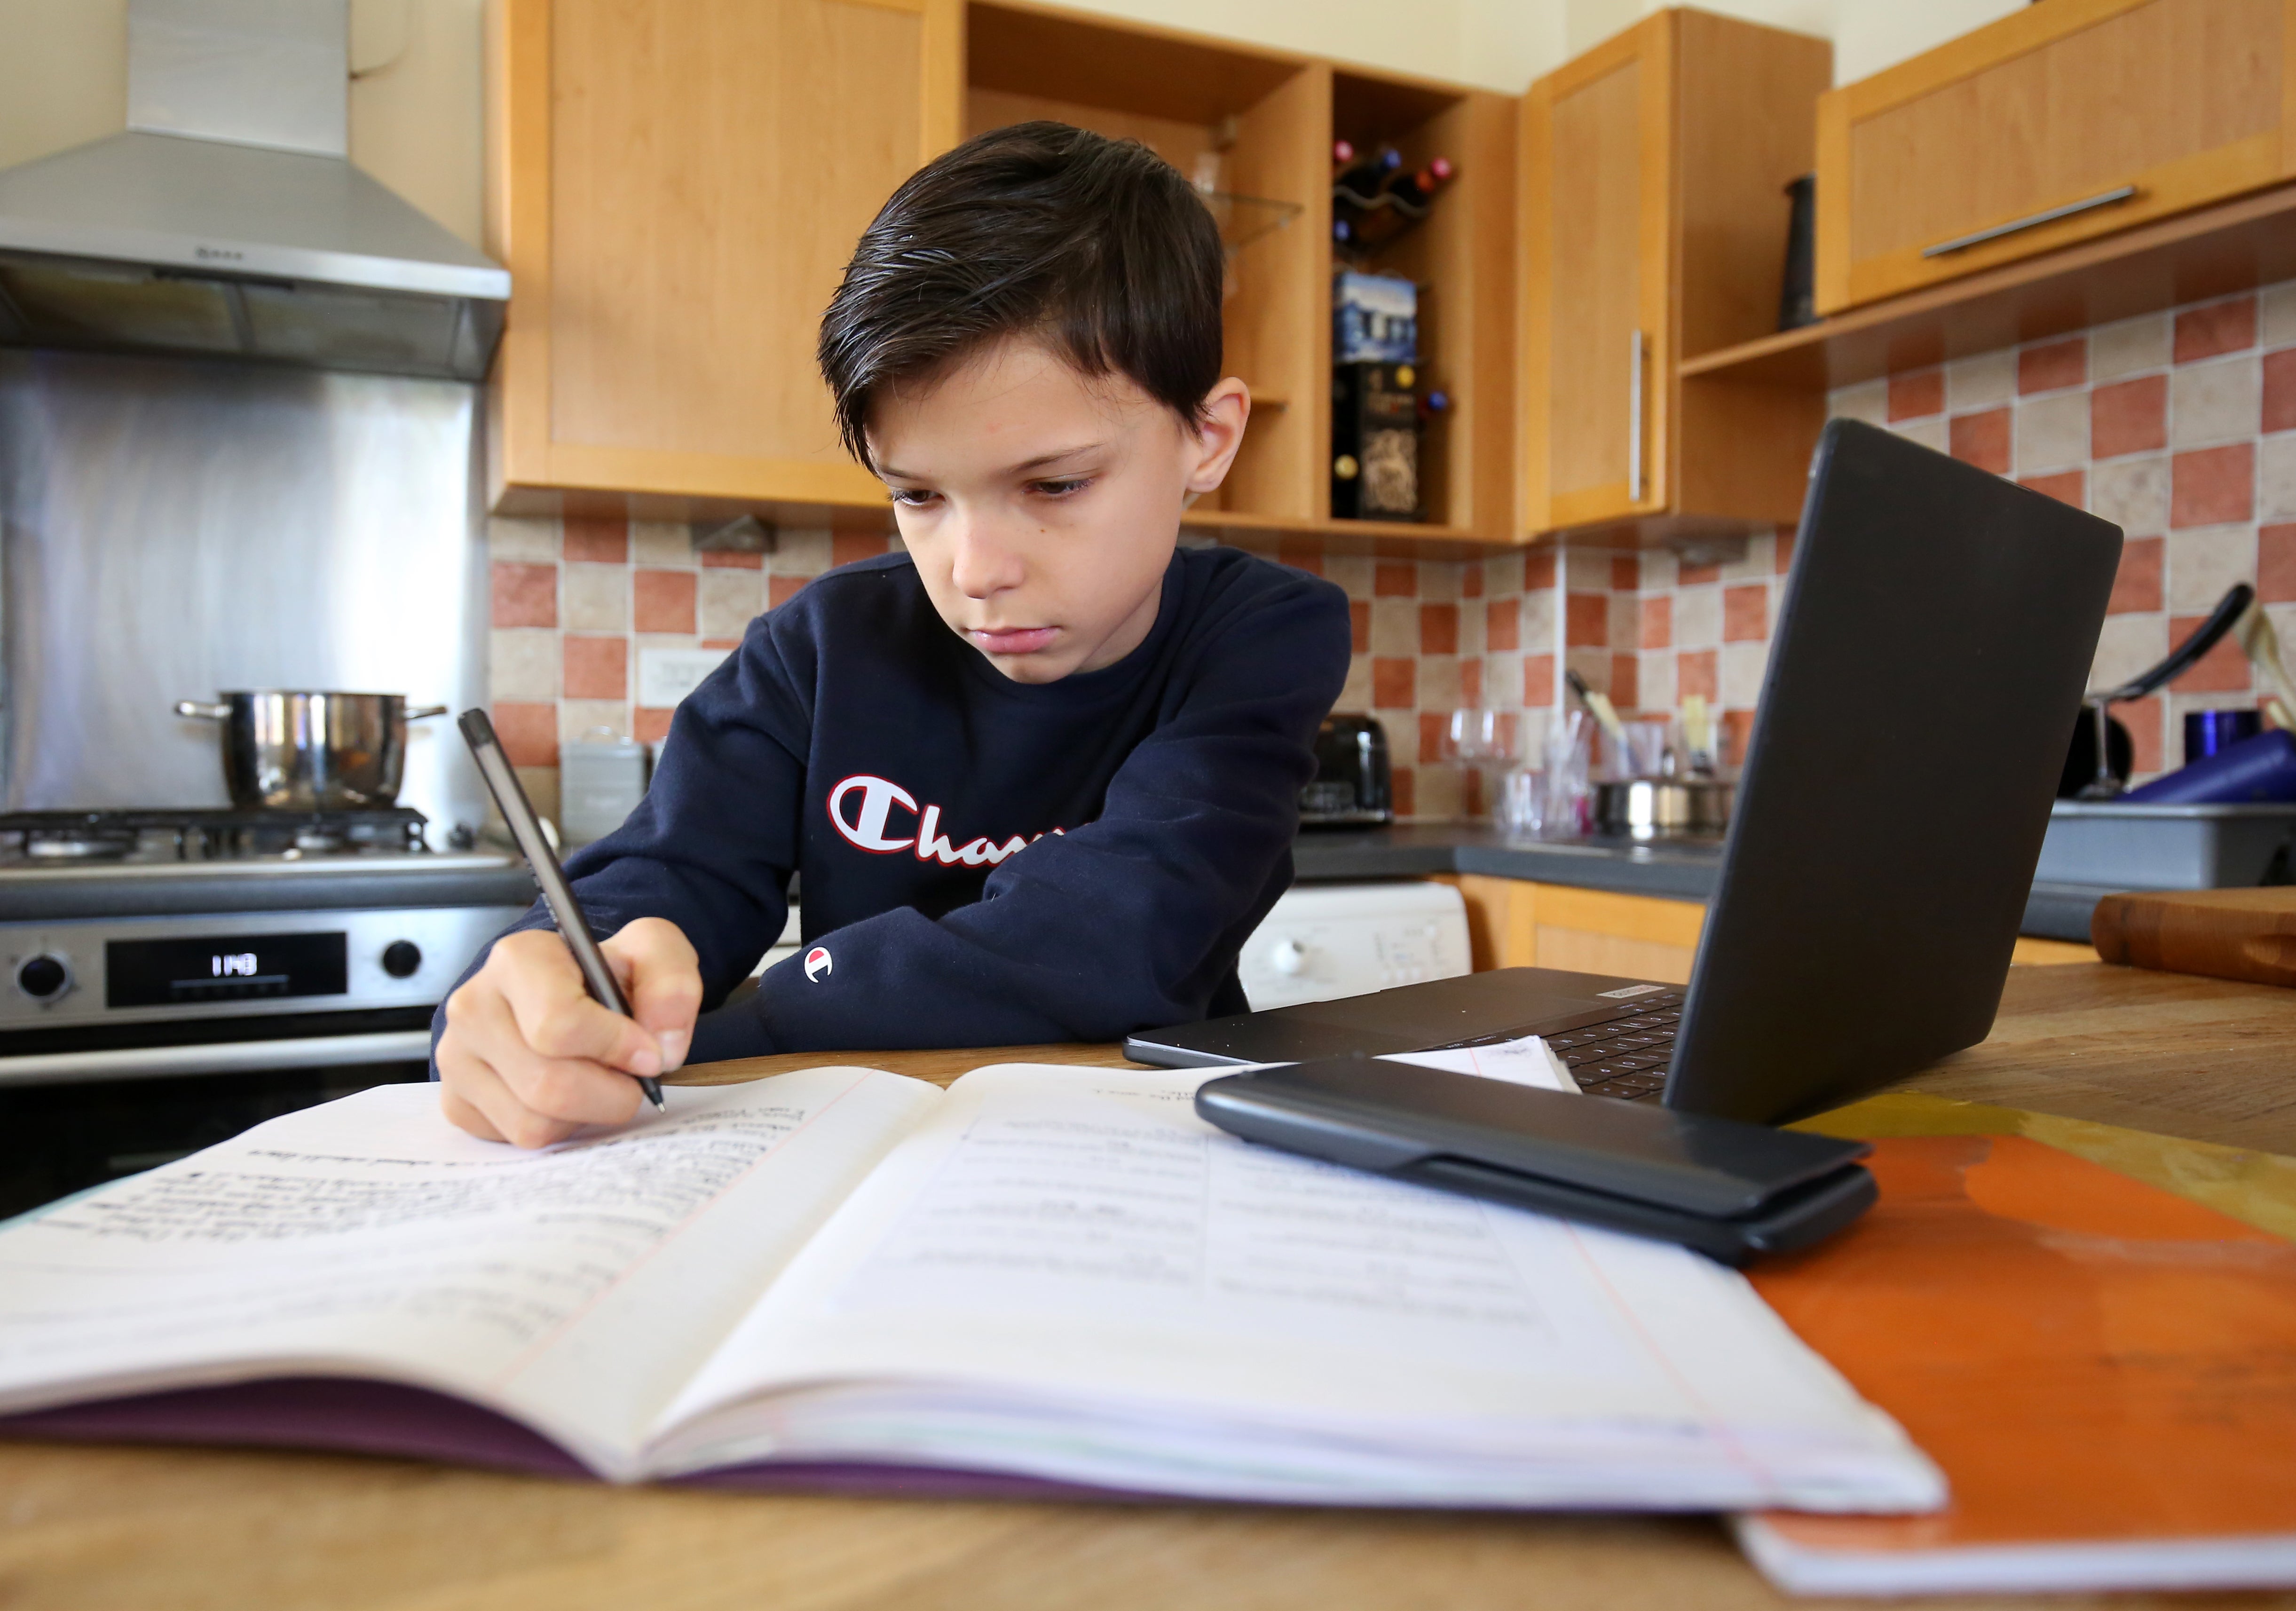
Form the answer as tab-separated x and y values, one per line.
530	1058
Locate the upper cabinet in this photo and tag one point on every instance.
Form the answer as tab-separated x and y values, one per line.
675	190
2055	124
1654	210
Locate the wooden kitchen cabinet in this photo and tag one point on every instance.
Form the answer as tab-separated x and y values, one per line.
1519	923
1654	215
675	190
2057	124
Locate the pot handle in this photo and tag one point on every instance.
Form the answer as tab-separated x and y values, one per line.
424	712
203	712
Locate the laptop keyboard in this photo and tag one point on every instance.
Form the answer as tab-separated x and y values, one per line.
1622	1053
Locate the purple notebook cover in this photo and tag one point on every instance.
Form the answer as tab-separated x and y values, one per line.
412	1423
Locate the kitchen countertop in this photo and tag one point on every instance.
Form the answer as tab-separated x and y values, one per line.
1672	869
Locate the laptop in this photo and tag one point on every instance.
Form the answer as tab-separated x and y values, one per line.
1929	659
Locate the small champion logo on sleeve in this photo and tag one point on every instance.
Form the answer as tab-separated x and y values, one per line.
817	963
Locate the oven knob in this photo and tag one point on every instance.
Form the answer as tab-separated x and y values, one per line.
401	958
43	978
1289	957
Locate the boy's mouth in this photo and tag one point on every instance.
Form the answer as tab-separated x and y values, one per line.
1012	640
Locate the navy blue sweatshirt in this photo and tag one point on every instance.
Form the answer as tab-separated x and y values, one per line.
983	862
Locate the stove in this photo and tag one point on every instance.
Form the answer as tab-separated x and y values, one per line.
79	839
167	978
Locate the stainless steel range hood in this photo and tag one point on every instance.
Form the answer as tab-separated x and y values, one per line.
227	221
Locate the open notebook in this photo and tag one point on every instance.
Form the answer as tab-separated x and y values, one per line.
1048	1275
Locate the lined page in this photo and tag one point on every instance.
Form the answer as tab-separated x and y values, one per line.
574	1287
1074	1251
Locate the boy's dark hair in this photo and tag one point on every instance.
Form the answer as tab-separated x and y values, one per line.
1098	247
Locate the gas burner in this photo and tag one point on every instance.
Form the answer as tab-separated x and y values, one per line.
57	839
72	846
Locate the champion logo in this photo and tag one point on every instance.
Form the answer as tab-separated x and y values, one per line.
817	963
863	806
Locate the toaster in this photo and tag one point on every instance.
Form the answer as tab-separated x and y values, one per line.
1354	786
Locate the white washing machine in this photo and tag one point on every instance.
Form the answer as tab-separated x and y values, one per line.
1324	940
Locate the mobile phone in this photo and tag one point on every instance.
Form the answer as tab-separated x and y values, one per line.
1730	1190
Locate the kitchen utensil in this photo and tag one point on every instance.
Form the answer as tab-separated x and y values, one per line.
2246	934
2136	845
2261	644
1698	735
2209	732
2260	769
291	750
2228	611
1598	706
1660	808
2081	766
1353	786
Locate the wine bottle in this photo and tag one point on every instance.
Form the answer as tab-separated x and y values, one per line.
1415	191
1360	182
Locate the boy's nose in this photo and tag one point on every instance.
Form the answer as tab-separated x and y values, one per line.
984	566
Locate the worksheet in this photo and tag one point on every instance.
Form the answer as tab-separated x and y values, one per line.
1045	1272
574	1289
1137	1299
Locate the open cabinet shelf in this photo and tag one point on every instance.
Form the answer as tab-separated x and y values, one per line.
1461	259
1231	120
1262	123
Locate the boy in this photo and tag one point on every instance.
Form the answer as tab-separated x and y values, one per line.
1039	774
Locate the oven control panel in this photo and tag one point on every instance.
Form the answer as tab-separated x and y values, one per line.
151	969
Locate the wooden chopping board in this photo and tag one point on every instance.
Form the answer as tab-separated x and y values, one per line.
2244	934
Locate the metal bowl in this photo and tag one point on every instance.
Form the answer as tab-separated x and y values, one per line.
1663	808
292	749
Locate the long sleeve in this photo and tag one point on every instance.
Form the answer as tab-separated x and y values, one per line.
1131	920
712	845
980	862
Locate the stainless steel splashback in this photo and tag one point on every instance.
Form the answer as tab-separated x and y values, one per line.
169	530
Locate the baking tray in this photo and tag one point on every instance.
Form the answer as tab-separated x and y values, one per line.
2126	846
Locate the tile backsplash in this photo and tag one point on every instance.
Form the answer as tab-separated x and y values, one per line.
577	600
2179	426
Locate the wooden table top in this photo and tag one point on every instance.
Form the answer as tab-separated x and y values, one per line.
84	1528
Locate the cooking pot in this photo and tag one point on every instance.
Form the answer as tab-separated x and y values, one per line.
288	750
1658	808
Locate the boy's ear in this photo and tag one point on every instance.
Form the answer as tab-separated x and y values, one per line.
1219	431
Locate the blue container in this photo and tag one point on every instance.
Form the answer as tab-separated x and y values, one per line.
2255	769
2210	732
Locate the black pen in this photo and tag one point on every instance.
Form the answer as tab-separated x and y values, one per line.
517	810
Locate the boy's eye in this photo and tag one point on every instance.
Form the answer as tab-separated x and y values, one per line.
1062	486
911	497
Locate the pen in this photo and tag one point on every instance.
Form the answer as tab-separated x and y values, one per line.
557	894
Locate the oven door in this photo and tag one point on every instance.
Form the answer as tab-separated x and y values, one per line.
84	1106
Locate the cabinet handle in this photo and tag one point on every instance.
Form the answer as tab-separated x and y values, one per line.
1635	419
2049	215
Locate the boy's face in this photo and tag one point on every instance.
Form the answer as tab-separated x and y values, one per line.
1041	506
